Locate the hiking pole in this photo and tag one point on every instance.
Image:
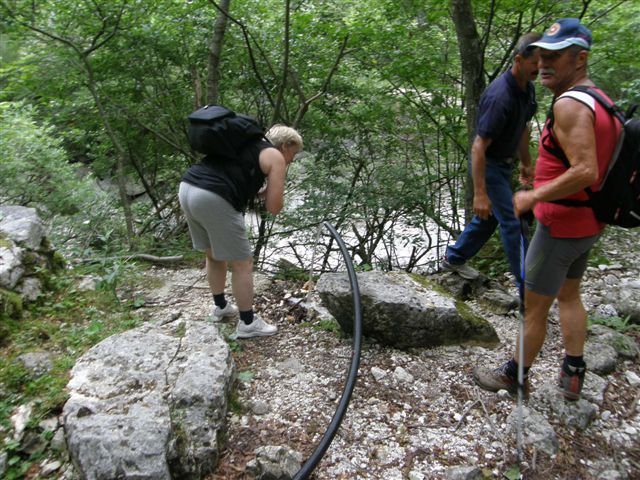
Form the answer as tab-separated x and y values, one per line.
523	253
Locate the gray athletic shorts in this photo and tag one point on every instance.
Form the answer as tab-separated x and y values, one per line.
214	223
550	261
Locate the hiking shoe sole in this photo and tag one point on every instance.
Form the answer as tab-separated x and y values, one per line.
257	328
255	334
465	271
494	380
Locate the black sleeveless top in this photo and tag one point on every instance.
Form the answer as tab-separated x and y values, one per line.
237	182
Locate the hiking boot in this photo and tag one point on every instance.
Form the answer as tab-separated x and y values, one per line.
257	328
218	313
498	379
571	382
464	270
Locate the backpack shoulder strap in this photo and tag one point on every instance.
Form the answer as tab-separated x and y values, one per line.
554	147
579	94
608	105
556	150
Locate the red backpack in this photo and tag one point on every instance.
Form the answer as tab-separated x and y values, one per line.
617	201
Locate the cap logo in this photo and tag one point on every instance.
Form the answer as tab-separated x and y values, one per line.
553	29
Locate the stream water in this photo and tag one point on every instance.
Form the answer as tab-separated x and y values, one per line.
401	243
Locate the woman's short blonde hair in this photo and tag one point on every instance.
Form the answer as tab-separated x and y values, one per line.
281	135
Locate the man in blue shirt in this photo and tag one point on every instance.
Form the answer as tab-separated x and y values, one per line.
505	109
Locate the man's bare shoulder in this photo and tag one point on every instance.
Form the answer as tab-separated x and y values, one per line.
571	109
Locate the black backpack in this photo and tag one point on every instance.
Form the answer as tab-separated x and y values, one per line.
220	133
617	201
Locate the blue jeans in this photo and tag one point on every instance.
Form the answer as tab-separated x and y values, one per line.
478	231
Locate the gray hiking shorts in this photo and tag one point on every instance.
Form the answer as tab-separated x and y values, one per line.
214	223
550	261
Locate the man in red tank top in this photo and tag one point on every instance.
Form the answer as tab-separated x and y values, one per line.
558	253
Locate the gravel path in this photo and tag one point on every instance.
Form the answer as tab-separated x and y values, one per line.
413	414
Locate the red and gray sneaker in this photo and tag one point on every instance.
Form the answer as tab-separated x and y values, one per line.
498	379
570	381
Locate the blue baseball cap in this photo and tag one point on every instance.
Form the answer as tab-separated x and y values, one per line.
564	33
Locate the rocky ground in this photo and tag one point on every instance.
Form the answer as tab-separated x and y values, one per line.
413	414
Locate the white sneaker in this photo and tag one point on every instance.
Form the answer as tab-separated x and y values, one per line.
257	328
218	313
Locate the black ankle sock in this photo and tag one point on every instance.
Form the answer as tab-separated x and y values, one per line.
219	300
512	369
247	317
572	361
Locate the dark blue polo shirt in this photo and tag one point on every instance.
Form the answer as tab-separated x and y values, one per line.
503	113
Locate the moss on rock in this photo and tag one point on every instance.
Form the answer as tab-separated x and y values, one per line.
57	261
10	304
487	334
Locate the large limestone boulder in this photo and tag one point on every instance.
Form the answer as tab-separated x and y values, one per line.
11	267
26	257
150	403
403	311
628	300
21	225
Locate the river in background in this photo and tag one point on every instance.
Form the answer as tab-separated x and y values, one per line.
394	251
307	249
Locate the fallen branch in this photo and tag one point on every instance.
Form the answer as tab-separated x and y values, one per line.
464	414
135	256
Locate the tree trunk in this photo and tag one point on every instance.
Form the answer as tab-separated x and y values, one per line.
277	111
472	61
261	238
110	26
121	155
215	51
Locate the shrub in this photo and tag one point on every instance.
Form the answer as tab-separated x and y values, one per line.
34	167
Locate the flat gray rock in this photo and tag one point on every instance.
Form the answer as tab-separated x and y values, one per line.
22	225
150	403
403	311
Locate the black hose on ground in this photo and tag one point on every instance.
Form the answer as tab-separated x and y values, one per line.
322	447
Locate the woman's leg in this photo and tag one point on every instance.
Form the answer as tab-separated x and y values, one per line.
242	283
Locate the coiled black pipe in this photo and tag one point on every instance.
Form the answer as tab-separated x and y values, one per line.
322	447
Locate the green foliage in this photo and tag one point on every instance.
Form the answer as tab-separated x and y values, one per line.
513	473
111	277
228	332
16	467
363	267
491	260
614	66
384	126
65	323
383	118
34	168
327	326
10	305
245	376
622	325
598	256
235	405
288	271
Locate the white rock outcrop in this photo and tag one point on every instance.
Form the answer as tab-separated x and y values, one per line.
150	403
